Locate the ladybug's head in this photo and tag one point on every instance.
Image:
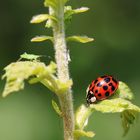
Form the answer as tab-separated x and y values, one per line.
90	97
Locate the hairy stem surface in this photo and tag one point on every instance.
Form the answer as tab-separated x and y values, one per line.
61	56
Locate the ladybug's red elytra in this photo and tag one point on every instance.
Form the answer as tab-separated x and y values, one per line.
101	88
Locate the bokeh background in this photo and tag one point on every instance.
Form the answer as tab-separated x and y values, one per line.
115	25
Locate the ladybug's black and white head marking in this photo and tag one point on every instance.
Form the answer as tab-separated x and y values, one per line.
90	97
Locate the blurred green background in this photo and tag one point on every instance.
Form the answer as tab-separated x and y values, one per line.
115	25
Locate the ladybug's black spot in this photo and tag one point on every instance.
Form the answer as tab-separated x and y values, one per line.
107	79
95	81
114	81
107	94
99	84
92	88
99	94
96	91
112	88
110	84
105	87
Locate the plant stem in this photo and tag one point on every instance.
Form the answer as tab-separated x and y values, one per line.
61	56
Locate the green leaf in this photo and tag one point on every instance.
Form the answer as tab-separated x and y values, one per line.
128	110
82	133
68	11
17	72
41	18
114	105
124	91
128	117
81	39
81	116
56	108
41	38
80	10
29	56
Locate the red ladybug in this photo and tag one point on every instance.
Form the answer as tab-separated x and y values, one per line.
101	88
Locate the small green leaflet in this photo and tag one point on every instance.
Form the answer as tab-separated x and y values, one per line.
82	133
128	117
41	18
41	38
80	10
56	108
81	116
81	39
68	11
124	91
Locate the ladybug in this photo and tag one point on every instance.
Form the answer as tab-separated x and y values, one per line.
101	88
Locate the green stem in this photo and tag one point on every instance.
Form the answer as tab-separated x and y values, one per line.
61	56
